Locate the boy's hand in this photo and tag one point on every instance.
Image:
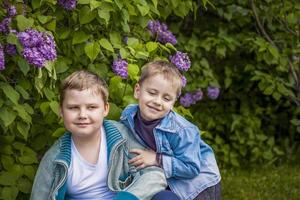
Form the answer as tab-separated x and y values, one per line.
143	159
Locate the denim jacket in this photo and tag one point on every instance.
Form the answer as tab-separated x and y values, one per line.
188	162
50	180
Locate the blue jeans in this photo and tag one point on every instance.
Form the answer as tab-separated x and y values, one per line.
211	193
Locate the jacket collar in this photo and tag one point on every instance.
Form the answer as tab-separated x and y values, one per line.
112	137
167	123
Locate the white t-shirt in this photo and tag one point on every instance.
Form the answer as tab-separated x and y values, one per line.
87	181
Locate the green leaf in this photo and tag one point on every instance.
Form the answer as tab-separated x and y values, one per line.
151	46
61	65
133	71
27	159
51	26
142	55
22	113
170	46
49	93
24	66
10	92
84	1
295	122
144	9
10	193
104	14
44	19
124	53
154	3
106	44
29	171
86	15
23	129
12	39
273	50
23	22
114	112
80	37
63	32
7	178
95	4
24	185
36	4
23	92
58	132
54	105
115	39
7	161
7	116
92	50
132	42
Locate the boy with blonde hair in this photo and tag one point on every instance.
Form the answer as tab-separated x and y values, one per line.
172	142
90	161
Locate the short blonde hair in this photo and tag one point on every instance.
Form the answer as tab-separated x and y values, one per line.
82	80
167	69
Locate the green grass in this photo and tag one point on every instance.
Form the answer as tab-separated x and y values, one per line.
272	183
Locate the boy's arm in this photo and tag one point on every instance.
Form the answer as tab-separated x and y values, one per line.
150	181
42	182
185	162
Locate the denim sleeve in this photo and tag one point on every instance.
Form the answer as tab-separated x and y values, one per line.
42	181
185	161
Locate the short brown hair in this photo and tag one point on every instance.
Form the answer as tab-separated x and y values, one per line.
167	69
82	80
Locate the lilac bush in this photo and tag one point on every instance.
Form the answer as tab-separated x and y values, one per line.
181	61
213	92
160	30
119	67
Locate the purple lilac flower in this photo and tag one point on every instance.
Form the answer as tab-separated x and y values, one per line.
160	30
120	68
187	100
183	79
38	47
68	4
2	62
198	95
213	92
181	60
11	49
34	57
4	25
48	47
12	11
30	38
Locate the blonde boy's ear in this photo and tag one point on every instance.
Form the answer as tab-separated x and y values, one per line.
137	90
106	109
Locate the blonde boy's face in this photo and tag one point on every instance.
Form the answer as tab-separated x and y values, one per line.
83	113
156	96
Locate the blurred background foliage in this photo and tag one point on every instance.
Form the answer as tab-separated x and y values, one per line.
248	49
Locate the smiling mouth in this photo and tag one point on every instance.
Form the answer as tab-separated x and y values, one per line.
82	124
153	108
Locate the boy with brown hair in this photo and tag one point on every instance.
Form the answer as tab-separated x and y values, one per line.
90	161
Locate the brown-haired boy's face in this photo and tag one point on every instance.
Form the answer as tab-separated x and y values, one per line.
156	96
83	112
